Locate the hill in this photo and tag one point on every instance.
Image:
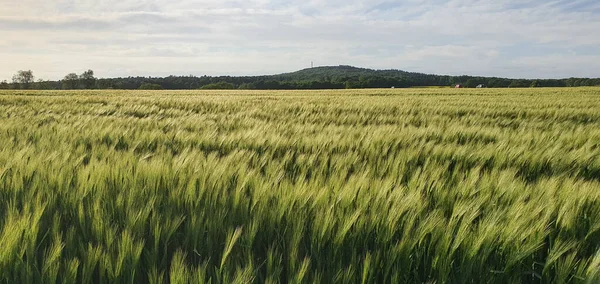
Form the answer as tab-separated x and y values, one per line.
361	76
341	71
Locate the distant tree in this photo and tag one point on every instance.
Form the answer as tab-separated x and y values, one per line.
535	84
70	81
350	84
24	79
4	85
87	80
39	84
218	86
150	86
519	84
42	84
471	83
246	86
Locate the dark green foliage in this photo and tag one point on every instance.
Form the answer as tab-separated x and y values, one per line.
150	86
70	82
218	86
24	79
87	80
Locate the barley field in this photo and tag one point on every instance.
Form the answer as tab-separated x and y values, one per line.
365	186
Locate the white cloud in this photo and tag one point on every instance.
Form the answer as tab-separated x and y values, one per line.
160	37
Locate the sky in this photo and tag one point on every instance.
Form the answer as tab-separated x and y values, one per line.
511	38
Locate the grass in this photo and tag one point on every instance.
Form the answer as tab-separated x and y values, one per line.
364	186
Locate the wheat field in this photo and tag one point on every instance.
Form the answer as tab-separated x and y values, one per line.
363	186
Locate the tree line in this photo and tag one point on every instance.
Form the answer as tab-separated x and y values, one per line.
24	80
335	77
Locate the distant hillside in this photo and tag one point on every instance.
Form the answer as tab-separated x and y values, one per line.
354	77
345	73
326	77
342	71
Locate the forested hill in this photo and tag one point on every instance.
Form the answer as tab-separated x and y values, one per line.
329	77
354	77
366	78
342	71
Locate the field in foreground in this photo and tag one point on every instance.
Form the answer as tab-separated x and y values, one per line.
385	186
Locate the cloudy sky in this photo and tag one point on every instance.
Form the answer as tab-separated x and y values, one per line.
510	38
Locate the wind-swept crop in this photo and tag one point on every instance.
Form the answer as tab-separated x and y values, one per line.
370	186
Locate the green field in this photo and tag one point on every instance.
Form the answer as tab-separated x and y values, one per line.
365	186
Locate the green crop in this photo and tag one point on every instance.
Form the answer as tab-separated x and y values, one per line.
363	186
